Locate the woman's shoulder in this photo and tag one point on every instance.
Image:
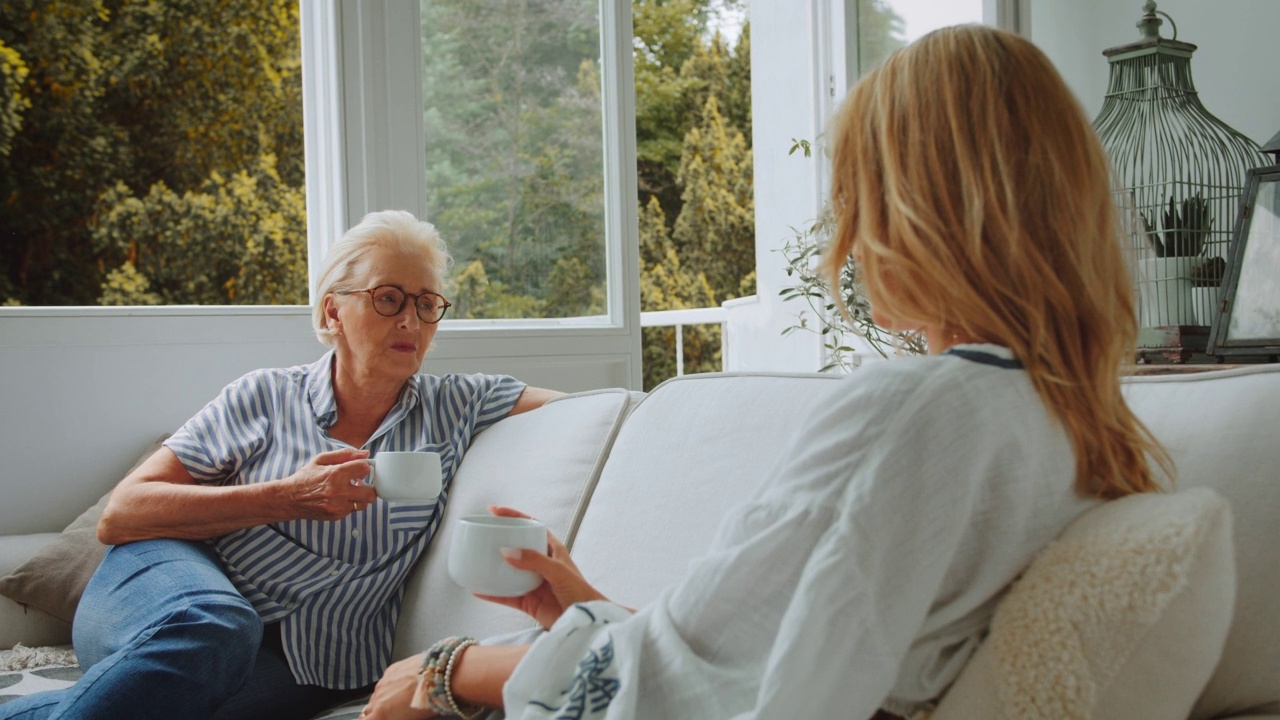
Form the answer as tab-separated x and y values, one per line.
275	379
929	375
466	383
950	393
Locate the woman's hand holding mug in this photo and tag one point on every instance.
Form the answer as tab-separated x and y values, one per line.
330	486
562	583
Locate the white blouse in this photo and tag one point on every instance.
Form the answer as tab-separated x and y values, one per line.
863	574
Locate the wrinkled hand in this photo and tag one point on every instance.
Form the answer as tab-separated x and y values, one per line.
393	692
329	487
562	584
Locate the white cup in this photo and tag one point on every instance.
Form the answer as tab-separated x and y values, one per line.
475	557
406	476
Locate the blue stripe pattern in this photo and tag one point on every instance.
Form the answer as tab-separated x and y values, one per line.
335	587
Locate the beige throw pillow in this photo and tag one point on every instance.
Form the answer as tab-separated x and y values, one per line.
54	579
1123	617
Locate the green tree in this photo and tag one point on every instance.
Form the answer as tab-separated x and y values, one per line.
13	103
150	94
668	284
152	242
513	117
573	290
716	227
681	67
667	34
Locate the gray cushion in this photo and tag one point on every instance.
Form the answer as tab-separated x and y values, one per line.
53	580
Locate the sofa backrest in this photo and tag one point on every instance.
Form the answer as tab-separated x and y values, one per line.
692	449
1221	429
544	463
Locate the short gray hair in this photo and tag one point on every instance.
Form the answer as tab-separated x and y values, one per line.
396	229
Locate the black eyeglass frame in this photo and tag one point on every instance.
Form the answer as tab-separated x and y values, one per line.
373	300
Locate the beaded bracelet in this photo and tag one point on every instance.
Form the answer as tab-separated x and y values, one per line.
448	681
433	692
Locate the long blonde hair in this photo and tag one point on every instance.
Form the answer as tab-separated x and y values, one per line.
979	199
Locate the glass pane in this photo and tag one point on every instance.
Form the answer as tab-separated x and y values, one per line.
151	155
886	25
694	159
514	158
1256	315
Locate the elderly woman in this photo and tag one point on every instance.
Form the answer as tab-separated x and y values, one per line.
254	572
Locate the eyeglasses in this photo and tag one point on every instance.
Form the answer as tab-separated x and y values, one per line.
389	300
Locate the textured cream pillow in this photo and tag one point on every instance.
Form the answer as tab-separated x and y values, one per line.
53	580
1124	616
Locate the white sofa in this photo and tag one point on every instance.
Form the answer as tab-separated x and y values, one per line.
637	484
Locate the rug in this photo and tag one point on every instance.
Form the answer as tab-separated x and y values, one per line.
25	670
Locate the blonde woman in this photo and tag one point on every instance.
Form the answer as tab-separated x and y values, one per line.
970	187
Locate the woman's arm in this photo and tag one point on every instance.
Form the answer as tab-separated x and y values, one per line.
161	500
479	675
481	672
533	398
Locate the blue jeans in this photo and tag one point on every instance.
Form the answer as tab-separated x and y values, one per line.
162	633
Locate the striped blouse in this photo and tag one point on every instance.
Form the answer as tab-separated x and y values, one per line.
335	587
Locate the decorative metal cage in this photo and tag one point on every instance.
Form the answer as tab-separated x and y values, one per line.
1181	171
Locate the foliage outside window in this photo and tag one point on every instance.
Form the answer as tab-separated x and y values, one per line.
514	161
514	158
150	154
693	154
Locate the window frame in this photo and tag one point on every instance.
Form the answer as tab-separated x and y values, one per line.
362	97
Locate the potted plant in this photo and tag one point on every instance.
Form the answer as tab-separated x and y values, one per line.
802	252
1165	280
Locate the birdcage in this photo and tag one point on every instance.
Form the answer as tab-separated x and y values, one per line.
1181	171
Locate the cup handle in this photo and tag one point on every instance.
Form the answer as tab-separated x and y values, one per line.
373	474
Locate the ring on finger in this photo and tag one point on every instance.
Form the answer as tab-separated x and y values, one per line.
354	506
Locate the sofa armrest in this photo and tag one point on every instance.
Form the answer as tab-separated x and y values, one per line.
18	623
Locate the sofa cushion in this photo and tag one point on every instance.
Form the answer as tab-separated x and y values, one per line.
1124	616
53	580
542	462
691	450
20	623
1220	428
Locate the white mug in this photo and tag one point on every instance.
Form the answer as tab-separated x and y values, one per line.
406	476
475	557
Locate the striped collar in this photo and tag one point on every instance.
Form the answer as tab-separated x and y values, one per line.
324	404
986	354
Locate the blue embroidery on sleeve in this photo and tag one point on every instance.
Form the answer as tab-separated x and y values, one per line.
588	691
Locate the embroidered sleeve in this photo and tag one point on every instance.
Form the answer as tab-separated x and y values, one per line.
576	678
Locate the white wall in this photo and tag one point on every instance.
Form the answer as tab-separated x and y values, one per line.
785	87
1232	68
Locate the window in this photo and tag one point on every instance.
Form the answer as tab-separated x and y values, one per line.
886	25
150	155
369	141
514	155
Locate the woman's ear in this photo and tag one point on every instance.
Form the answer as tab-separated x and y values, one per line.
331	321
